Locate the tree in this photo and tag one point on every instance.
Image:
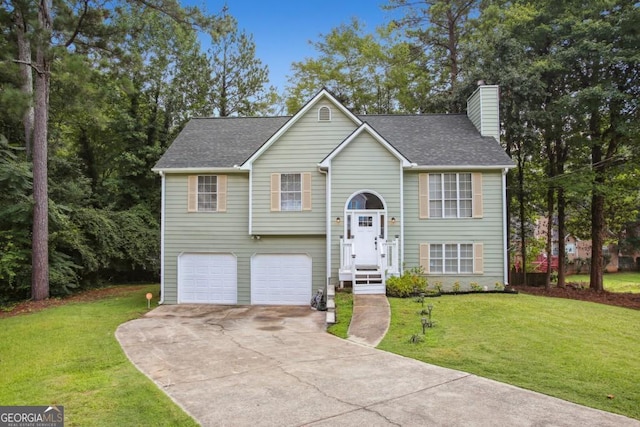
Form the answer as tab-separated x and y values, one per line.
584	58
75	27
352	65
238	78
439	27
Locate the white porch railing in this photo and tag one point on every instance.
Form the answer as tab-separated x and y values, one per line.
347	257
388	258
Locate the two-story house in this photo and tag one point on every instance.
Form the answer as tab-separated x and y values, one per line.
266	210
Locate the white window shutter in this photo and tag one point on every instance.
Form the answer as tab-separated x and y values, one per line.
424	257
192	193
478	260
476	182
306	191
423	194
275	192
222	193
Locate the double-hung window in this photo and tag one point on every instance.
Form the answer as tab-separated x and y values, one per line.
290	192
207	193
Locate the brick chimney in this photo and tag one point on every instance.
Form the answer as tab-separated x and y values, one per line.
483	109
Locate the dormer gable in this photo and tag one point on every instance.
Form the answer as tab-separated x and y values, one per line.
323	94
365	128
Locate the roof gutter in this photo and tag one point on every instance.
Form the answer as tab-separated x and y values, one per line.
458	167
234	169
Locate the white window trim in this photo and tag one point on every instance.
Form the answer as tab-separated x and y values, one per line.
458	258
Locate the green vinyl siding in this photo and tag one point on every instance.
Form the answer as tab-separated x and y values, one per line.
225	232
363	165
299	150
486	230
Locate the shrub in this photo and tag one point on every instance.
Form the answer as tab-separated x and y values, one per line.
411	282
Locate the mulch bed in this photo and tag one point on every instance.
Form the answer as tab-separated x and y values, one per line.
24	307
574	291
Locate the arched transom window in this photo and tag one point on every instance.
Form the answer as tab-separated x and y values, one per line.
365	201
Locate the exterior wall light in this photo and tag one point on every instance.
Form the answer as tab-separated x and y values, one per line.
393	220
338	220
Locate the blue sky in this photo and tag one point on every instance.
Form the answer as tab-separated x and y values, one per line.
282	29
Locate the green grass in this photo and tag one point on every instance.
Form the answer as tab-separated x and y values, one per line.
577	351
628	281
69	356
344	310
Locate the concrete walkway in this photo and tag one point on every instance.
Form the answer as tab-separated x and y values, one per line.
370	320
276	366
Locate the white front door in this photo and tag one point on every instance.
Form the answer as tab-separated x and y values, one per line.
366	230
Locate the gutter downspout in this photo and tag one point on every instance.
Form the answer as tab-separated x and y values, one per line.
162	230
504	226
327	193
401	248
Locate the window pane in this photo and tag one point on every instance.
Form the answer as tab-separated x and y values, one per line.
207	193
465	208
435	208
435	258
450	258
435	186
466	258
450	209
465	186
290	192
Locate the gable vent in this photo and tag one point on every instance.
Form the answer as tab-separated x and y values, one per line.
324	114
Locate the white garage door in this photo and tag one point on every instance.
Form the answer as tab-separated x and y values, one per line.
207	278
281	279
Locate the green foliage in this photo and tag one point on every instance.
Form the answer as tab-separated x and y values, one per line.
411	282
475	287
456	286
15	223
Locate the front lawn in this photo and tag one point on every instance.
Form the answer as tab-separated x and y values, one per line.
578	351
628	281
68	355
344	311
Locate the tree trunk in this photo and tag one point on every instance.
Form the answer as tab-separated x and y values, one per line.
597	225
26	74
523	218
40	243
561	236
549	244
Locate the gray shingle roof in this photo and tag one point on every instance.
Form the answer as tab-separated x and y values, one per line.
428	140
439	140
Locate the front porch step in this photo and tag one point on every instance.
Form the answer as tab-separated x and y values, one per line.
367	277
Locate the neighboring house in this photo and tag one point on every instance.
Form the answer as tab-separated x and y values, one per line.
269	210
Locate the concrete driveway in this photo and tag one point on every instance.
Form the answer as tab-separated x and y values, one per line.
276	366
